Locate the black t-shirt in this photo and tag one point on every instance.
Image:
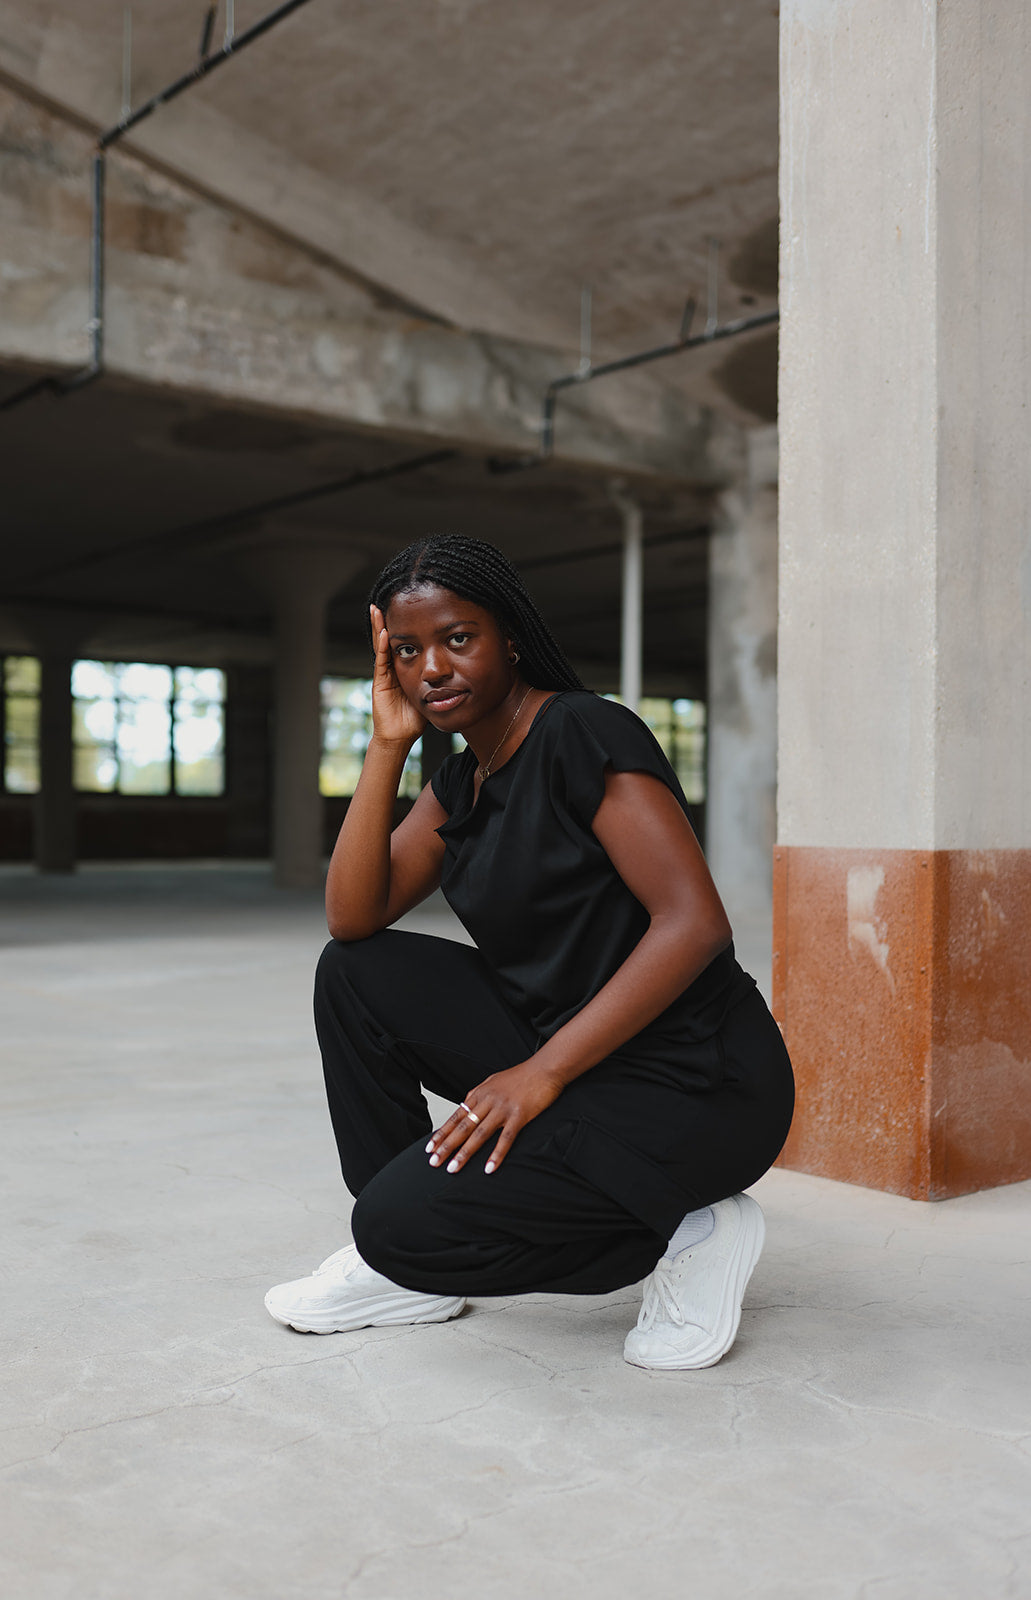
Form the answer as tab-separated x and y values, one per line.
536	891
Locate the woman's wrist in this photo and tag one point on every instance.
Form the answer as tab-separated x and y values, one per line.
558	1073
395	749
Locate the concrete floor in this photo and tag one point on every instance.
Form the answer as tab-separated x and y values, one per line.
166	1156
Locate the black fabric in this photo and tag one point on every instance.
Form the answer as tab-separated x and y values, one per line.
536	891
592	1188
693	1108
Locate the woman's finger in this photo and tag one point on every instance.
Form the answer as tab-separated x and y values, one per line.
454	1150
469	1146
393	715
380	641
505	1142
452	1133
384	663
455	1120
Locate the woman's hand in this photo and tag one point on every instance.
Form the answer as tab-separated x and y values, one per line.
394	718
502	1103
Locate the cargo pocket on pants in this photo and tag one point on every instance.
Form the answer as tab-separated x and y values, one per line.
636	1182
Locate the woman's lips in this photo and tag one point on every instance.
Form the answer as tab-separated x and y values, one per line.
447	702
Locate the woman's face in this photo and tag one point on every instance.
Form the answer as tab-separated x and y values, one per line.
450	656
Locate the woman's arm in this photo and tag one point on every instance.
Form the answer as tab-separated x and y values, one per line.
376	875
653	848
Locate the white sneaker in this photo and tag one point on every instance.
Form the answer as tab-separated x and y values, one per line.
344	1294
692	1301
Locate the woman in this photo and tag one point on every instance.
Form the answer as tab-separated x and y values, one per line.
617	1077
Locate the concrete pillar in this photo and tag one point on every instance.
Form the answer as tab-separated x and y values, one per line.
741	786
57	640
300	575
54	833
902	936
248	765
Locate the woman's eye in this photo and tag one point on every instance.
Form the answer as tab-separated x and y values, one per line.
459	638
403	650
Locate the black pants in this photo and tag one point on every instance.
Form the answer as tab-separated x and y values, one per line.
590	1191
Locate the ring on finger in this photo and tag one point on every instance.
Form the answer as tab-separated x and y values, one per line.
468	1111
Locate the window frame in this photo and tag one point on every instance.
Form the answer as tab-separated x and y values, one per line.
411	782
5	657
110	748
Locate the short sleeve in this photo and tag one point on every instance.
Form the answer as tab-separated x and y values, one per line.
596	734
446	782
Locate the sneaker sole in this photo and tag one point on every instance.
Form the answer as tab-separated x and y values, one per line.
749	1249
373	1314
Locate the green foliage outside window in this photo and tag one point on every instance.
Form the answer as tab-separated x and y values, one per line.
346	731
679	726
140	728
21	724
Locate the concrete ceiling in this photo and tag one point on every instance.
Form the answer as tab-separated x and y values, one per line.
479	159
474	162
109	498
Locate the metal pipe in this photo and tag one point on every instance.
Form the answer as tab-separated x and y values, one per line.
201	70
632	628
207	30
632	633
95	325
547	424
117	608
585	330
38	386
195	532
712	321
592	552
727	331
58	384
127	62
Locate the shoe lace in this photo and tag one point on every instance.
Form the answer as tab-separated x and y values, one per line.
339	1262
660	1297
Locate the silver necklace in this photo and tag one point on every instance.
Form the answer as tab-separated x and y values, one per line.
484	771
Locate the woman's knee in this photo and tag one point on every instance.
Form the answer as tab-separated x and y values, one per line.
348	964
330	964
369	1234
388	1227
340	957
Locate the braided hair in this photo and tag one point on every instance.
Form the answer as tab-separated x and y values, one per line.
477	571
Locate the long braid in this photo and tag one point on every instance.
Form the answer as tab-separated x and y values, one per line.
478	571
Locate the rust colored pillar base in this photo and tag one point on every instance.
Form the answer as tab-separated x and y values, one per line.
902	981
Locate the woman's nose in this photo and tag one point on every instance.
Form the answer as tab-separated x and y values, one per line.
435	665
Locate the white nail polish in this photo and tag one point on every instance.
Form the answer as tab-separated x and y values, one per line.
429	1148
434	1161
452	1166
489	1167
